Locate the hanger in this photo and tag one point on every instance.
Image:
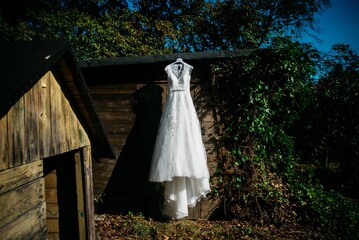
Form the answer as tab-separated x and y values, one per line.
179	62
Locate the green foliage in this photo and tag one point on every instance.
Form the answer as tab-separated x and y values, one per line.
261	98
111	34
268	101
330	128
328	210
100	28
213	25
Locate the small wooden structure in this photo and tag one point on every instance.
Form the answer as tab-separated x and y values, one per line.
129	94
48	131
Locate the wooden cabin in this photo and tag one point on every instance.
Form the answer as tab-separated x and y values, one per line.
129	94
49	131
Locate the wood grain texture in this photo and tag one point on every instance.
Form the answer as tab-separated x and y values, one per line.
81	216
4	151
113	104
17	143
44	116
13	204
32	123
88	186
30	225
57	118
60	129
17	176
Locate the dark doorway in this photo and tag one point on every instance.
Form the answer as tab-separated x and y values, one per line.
64	198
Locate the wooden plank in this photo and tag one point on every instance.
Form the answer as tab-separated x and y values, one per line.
51	195
17	176
52	210
190	214
118	138
53	236
16	134
73	126
83	137
80	195
57	118
113	91
116	88
118	130
117	142
65	132
102	171
31	225
116	119
89	196
15	203
113	106
197	211
74	136
32	122
53	226
4	157
79	137
112	97
51	180
44	116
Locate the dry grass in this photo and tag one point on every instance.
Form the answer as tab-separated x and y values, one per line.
137	227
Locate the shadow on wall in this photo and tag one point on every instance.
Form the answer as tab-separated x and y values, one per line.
128	188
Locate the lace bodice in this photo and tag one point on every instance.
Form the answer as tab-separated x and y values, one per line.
179	76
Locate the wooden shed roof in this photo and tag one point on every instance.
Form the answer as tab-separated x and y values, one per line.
150	68
23	63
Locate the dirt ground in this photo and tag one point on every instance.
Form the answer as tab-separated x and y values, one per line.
137	227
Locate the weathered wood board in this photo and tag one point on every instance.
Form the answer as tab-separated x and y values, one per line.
41	124
15	177
31	225
22	202
14	204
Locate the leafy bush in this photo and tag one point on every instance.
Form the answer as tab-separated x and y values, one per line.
327	210
260	99
264	100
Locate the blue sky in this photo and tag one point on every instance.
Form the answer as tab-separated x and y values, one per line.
339	24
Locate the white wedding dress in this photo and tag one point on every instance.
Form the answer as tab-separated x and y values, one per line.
179	159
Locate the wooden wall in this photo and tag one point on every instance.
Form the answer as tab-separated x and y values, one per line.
206	112
22	202
40	125
114	103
